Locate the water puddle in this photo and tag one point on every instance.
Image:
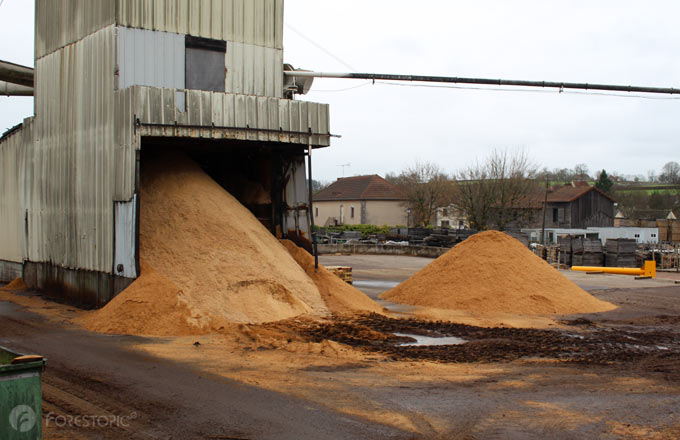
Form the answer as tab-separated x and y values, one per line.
375	284
427	340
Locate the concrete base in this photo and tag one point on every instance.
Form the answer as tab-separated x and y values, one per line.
9	270
378	249
80	288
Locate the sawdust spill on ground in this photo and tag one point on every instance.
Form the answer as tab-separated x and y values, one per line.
492	272
151	306
15	285
340	297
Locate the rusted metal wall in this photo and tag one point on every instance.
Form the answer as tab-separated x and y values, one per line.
256	22
62	22
15	154
72	184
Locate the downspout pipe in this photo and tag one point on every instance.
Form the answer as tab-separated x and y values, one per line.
9	89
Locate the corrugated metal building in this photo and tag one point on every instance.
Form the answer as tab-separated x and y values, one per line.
114	77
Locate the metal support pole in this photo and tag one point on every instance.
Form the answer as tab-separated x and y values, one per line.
545	203
312	233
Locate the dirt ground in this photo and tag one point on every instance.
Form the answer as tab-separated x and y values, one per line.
609	375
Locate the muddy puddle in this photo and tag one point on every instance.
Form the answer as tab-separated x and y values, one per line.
375	284
415	339
420	341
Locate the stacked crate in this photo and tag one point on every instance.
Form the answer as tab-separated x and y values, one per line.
587	252
342	272
621	252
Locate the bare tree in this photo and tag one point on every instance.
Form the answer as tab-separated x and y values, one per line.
651	176
670	173
426	187
493	192
581	170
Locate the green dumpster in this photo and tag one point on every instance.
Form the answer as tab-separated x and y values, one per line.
20	395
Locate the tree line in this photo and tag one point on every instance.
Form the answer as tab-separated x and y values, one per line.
494	192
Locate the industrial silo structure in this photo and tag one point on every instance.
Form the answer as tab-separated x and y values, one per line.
115	78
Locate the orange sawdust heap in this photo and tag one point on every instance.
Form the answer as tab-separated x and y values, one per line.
201	241
151	306
340	297
492	272
16	285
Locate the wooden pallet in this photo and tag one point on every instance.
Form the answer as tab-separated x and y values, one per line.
342	272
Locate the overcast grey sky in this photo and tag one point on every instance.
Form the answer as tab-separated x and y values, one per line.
387	127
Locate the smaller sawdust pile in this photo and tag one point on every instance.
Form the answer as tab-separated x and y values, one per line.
16	285
340	297
151	306
492	272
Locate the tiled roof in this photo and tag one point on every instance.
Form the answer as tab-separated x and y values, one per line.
371	187
569	193
560	194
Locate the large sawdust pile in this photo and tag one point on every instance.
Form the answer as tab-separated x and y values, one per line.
340	297
492	272
201	241
151	306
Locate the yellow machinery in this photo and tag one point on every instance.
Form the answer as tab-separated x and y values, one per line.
649	270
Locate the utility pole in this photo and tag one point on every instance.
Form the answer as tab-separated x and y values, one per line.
545	203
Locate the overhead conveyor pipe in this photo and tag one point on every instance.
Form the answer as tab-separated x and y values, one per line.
16	74
484	81
9	89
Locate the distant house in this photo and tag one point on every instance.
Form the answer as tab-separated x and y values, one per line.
450	217
360	200
578	205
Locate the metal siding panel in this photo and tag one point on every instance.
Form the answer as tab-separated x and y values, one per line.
263	117
194	18
313	121
256	22
216	26
294	115
151	58
249	21
248	70
73	183
259	66
273	118
161	9
269	24
259	18
13	151
278	74
64	22
206	109
238	20
228	20
125	239
279	24
251	116
284	118
206	12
